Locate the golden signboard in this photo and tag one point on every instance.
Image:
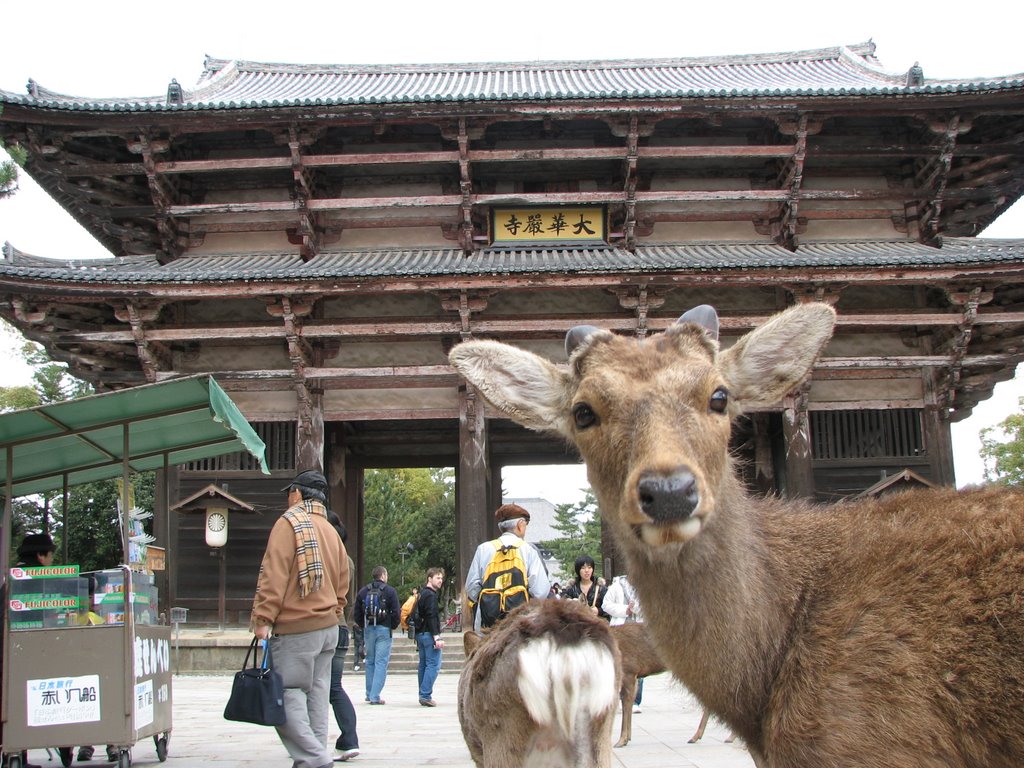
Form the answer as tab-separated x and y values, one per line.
550	225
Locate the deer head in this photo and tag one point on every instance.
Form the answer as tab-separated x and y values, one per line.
652	417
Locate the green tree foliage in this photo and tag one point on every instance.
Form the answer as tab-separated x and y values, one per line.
1002	449
580	527
9	169
410	506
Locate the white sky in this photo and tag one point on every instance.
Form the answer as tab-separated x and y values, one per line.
116	48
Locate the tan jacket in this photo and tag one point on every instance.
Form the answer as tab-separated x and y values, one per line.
277	600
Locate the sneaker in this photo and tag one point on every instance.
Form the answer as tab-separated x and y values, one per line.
344	755
378	701
355	667
85	754
428	703
111	755
636	709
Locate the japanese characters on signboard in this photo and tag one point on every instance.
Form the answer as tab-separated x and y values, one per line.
549	225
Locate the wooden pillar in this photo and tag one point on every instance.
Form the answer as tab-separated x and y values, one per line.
797	438
353	518
938	441
337	476
169	480
309	437
473	497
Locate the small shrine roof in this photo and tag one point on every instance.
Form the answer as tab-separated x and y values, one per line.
435	262
231	84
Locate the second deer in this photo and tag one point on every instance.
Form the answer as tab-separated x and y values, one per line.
539	689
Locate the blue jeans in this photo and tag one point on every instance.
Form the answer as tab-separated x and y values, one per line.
378	653
639	691
430	664
344	712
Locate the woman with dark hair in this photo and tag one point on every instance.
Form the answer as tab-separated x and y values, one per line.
586	589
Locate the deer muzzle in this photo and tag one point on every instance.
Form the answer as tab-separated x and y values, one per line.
670	502
668	498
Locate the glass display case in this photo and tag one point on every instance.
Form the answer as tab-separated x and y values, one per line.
60	596
45	597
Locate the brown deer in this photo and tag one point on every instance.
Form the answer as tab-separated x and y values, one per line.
540	688
885	632
640	659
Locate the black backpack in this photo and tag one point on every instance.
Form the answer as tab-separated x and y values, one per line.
375	610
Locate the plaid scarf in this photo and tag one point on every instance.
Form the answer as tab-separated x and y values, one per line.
307	550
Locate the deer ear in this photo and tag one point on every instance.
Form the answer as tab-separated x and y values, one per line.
704	316
772	360
525	387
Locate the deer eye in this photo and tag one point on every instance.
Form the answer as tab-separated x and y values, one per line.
719	400
584	416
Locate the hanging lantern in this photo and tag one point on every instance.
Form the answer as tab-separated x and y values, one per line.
216	526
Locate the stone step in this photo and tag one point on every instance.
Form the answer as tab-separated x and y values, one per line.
217	652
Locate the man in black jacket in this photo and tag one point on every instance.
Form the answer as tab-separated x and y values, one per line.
378	612
427	620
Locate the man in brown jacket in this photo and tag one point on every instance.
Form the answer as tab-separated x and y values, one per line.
300	598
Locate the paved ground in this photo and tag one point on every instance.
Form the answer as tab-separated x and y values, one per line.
404	733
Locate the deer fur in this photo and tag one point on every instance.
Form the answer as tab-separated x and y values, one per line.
640	659
539	689
878	633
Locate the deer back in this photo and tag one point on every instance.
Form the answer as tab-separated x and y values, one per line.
540	688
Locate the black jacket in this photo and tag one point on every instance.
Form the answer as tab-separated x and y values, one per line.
428	616
389	601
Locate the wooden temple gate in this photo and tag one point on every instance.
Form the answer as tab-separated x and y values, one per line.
319	237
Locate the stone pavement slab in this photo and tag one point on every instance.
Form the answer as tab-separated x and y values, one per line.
403	733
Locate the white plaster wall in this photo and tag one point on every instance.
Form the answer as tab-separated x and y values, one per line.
238	357
441	398
704	231
245	242
868	344
266	406
423	304
395	237
838	230
866	389
373	353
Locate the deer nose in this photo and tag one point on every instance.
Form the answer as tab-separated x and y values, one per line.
668	498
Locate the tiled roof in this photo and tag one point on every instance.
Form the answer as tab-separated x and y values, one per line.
840	71
451	262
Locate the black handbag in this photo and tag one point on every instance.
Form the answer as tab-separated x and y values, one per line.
257	693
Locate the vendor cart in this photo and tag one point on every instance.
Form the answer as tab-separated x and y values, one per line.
85	659
73	682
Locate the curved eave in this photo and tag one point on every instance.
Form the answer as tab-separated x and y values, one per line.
348	270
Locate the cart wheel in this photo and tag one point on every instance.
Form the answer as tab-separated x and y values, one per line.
14	761
124	759
66	755
161	747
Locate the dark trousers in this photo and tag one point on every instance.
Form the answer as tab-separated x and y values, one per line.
344	712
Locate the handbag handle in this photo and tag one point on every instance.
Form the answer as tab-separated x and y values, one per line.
267	657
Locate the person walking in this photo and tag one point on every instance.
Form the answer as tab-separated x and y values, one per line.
586	588
512	521
378	612
623	606
300	600
407	607
426	622
347	745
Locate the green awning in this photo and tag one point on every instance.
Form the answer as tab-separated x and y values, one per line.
86	439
